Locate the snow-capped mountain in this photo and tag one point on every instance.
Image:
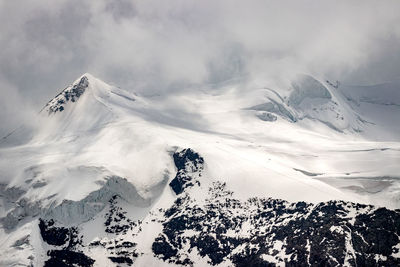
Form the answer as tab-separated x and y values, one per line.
302	175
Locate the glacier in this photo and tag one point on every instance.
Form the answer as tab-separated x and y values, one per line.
221	176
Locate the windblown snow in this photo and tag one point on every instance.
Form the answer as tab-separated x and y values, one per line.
218	176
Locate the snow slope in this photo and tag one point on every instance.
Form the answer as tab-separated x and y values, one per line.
380	104
101	151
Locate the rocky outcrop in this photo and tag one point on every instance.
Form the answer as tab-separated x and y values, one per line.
65	245
266	232
71	93
189	165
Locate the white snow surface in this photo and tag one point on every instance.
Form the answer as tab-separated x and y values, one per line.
339	147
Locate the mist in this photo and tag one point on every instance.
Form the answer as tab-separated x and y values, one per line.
156	47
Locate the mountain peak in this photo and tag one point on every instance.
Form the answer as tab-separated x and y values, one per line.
90	96
70	94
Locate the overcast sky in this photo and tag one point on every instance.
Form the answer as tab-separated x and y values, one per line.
157	45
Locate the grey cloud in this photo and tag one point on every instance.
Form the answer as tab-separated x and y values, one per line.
120	9
155	46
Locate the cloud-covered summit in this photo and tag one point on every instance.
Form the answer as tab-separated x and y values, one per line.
156	46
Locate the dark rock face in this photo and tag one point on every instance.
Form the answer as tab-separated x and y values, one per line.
116	220
70	94
56	236
126	260
266	232
67	258
187	162
119	228
68	241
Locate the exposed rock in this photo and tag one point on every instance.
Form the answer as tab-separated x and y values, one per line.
265	231
56	236
187	162
71	93
121	260
22	241
116	220
68	242
61	258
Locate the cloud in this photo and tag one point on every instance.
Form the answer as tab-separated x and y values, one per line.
15	110
157	46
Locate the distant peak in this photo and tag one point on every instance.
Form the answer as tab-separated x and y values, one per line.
69	94
82	83
87	76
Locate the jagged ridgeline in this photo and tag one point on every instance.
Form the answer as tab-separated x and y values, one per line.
71	93
222	229
265	177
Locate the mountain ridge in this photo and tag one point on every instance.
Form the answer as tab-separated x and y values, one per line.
113	166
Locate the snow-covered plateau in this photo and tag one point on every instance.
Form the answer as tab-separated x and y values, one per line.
303	173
